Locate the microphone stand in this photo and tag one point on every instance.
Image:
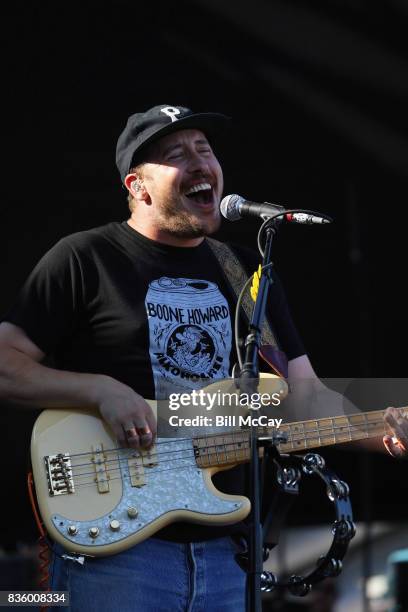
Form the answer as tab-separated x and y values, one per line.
248	382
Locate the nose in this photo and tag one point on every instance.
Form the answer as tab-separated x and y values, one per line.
197	163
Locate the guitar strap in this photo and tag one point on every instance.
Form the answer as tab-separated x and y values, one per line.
236	276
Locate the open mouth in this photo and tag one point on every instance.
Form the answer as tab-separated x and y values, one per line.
201	193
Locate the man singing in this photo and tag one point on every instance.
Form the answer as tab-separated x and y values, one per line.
136	310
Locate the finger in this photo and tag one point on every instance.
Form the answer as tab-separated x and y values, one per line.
129	428
145	436
394	416
131	434
400	430
142	438
144	430
392	447
119	434
398	424
390	416
151	421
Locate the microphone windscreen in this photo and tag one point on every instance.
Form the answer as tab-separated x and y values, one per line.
229	207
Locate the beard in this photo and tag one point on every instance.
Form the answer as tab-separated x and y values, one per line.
184	223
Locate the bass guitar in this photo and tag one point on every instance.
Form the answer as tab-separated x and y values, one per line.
98	499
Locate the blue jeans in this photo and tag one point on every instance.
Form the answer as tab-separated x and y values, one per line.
155	576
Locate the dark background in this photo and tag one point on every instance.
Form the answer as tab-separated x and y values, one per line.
318	95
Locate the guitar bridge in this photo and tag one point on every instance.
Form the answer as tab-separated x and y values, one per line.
59	474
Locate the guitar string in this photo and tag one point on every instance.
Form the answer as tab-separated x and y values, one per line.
219	448
286	426
222	446
149	474
121	477
308	433
289	426
225	447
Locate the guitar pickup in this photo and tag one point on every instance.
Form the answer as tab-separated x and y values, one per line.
150	457
136	471
99	460
59	474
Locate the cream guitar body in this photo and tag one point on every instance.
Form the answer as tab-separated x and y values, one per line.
113	499
97	499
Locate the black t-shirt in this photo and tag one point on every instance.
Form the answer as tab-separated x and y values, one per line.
155	317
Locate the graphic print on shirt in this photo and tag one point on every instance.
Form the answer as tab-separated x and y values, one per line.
190	334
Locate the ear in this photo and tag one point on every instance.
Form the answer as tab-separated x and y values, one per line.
135	186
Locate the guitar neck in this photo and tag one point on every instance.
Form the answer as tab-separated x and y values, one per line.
233	447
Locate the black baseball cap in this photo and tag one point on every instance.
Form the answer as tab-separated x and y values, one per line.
143	128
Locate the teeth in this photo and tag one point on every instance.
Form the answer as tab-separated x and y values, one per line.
200	187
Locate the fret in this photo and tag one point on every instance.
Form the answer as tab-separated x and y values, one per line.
312	436
213	450
365	424
359	427
200	446
292	442
229	449
303	432
218	449
375	421
286	447
223	450
231	446
234	445
326	432
209	452
291	438
243	445
297	436
357	419
341	429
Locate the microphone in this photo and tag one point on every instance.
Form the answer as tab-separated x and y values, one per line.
234	207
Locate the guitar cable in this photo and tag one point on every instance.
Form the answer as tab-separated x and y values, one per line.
44	544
